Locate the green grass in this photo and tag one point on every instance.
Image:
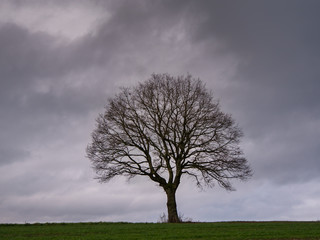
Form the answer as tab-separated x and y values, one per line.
163	231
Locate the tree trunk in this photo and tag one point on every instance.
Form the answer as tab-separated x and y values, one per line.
172	206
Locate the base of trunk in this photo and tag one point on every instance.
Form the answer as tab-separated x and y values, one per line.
172	206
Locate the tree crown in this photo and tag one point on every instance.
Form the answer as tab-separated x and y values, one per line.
164	128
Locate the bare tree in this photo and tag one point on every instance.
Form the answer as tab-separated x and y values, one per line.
165	128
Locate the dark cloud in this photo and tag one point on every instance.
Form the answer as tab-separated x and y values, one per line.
11	155
276	42
275	88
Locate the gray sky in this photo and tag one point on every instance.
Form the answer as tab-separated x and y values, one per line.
61	60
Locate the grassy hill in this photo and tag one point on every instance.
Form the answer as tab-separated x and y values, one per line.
163	231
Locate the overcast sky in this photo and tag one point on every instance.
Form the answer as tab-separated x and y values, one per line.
61	60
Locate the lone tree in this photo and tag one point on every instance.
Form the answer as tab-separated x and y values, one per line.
165	128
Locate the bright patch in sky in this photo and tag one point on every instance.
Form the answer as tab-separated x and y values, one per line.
66	20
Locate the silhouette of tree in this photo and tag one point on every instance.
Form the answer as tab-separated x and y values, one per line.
165	128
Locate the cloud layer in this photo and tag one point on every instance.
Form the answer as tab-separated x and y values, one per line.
61	60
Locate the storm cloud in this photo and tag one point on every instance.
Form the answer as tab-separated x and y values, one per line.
61	60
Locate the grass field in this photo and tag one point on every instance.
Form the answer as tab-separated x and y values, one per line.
157	231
